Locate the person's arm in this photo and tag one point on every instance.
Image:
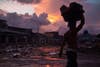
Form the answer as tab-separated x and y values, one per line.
82	22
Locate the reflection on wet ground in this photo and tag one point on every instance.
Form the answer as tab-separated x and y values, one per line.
34	62
48	57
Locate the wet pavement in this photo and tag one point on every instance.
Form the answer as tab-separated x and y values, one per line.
50	60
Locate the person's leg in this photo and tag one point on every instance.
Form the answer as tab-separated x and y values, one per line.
71	58
61	48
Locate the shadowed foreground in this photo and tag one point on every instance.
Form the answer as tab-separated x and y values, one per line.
84	60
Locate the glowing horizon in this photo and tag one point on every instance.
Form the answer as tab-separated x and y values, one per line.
53	18
12	6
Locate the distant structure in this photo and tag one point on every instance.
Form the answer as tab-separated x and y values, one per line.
86	40
15	36
3	23
54	38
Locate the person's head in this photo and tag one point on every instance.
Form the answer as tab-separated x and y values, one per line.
75	4
73	12
63	7
76	10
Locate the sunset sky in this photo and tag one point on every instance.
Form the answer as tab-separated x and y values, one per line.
51	8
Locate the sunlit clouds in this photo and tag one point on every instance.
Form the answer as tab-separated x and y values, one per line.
53	18
42	12
50	7
13	6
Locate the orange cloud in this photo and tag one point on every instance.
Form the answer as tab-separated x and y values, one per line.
53	18
42	7
50	7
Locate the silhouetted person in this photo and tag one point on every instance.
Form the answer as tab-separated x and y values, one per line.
72	14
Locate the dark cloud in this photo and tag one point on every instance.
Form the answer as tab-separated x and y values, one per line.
26	21
92	13
43	18
93	1
29	1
